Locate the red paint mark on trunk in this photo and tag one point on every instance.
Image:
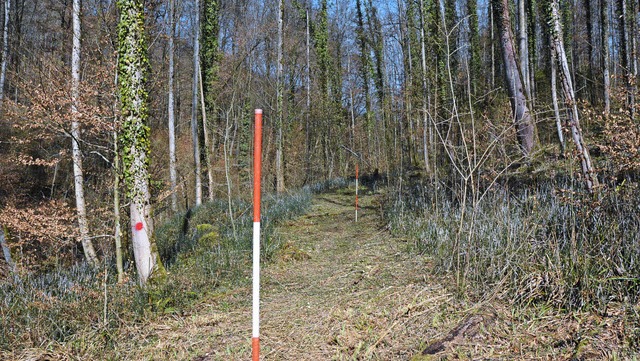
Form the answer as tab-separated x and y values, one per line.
139	226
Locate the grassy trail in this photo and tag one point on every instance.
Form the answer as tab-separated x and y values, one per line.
338	290
341	290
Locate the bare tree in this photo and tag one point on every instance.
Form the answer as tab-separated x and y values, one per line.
604	14
566	83
194	105
554	100
280	102
78	173
5	48
523	47
172	127
521	116
425	103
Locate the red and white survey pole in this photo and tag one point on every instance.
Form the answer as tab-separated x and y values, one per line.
257	170
356	192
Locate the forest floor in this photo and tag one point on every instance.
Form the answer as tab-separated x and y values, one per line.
341	290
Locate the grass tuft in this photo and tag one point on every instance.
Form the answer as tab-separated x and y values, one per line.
547	245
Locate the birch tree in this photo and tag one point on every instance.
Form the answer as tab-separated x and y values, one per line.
78	173
135	136
566	83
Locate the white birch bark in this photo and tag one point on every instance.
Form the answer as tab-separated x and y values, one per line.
78	176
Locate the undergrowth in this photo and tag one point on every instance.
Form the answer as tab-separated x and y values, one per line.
205	252
546	244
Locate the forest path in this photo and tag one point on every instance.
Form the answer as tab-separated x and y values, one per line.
338	290
341	290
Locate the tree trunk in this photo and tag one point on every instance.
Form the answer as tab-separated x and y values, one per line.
589	14
6	252
308	99
117	233
625	54
209	49
279	102
492	82
208	147
194	106
365	69
522	118
557	45
604	14
425	103
523	47
633	56
173	176
554	98
133	70
475	70
5	49
117	230
532	51
78	176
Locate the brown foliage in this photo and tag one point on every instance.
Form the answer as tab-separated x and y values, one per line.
621	143
39	231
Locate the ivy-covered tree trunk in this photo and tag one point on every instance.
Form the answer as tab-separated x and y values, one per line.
133	67
365	70
78	172
209	54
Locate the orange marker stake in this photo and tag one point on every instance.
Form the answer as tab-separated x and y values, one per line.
257	170
356	192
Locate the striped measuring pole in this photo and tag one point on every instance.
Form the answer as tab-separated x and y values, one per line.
257	171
